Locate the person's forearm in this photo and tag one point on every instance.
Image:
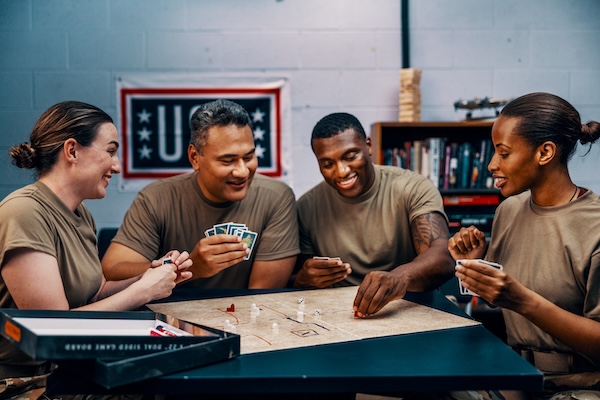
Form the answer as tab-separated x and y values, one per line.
125	270
429	269
111	287
129	298
579	333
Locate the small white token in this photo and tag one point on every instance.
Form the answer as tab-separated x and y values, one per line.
275	327
317	311
300	316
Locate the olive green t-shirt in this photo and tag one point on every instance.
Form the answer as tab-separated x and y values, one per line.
371	231
172	213
34	218
554	251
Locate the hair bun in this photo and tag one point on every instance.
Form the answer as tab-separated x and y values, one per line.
23	155
590	132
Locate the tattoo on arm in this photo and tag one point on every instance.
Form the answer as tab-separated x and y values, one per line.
426	228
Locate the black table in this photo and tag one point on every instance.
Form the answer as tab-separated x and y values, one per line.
451	359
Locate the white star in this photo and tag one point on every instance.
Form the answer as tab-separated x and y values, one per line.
145	152
260	151
257	116
144	134
259	134
144	116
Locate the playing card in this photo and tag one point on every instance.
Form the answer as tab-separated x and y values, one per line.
249	238
233	227
239	231
221	228
463	290
209	232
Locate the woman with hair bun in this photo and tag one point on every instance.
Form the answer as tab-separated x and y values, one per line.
48	254
546	235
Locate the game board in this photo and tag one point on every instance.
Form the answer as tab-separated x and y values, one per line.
327	317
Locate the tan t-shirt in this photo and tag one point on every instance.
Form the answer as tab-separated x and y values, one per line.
35	218
172	213
554	251
372	231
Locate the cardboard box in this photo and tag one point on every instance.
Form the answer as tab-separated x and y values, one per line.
116	348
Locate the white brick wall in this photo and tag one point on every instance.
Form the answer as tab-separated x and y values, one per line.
339	55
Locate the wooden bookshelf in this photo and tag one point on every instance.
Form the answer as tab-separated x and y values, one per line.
393	134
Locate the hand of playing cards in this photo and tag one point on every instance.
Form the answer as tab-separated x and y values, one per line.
463	290
239	230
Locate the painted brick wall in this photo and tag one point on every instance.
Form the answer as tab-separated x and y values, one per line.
340	55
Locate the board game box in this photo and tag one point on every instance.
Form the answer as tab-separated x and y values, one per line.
124	347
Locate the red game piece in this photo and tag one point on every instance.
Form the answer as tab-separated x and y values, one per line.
231	308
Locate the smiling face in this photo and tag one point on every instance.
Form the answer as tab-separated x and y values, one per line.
345	162
515	165
227	163
99	162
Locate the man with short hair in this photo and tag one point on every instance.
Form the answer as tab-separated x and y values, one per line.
380	227
176	212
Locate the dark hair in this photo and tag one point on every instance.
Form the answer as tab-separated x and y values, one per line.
62	121
336	123
546	117
216	113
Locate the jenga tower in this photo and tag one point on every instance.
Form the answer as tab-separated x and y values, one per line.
410	95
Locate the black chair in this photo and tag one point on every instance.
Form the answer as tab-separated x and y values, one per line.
105	235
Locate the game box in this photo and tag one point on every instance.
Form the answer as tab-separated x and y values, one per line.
116	348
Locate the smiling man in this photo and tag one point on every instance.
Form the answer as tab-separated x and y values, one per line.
176	212
383	228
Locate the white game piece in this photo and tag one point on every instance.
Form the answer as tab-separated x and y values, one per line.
317	311
300	316
301	303
254	310
275	327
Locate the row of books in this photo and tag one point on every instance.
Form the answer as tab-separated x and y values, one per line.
449	165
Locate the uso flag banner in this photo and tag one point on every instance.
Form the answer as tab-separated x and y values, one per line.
154	115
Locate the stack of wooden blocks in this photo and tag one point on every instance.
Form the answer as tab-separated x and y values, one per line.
410	95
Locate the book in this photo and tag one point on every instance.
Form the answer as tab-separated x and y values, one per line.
479	199
434	160
464	166
447	154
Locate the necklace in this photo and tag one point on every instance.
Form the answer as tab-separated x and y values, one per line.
574	193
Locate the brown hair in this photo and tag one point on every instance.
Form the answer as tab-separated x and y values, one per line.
546	117
62	121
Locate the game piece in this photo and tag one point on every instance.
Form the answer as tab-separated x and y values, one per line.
300	316
317	311
231	308
167	261
275	327
355	314
254	310
229	327
301	303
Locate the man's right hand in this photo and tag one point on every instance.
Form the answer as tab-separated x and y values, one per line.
321	273
215	253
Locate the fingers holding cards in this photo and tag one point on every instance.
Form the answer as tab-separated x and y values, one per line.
325	271
463	290
239	230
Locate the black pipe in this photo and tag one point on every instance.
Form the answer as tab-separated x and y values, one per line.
405	34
